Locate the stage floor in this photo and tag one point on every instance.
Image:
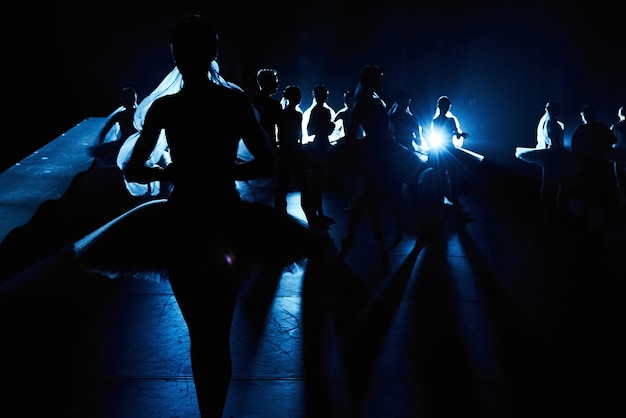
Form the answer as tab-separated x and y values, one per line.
502	316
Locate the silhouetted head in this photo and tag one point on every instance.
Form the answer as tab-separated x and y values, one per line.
588	114
194	45
128	97
267	79
444	104
320	92
293	94
371	77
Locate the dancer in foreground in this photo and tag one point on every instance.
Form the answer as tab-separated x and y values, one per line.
208	252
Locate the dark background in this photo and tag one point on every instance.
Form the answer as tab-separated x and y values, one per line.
499	61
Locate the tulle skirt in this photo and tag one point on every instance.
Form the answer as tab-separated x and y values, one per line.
541	156
140	242
394	162
557	166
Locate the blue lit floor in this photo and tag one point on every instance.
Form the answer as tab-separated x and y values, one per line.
504	316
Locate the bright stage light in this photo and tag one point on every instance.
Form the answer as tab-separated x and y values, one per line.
434	140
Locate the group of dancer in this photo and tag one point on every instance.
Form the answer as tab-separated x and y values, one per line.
186	138
591	170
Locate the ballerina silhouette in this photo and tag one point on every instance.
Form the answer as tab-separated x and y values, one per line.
205	253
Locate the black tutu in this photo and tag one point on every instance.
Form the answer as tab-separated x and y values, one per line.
395	162
137	244
127	245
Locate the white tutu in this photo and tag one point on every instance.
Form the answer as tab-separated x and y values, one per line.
541	156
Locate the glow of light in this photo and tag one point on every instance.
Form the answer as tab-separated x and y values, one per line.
229	257
434	140
476	155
